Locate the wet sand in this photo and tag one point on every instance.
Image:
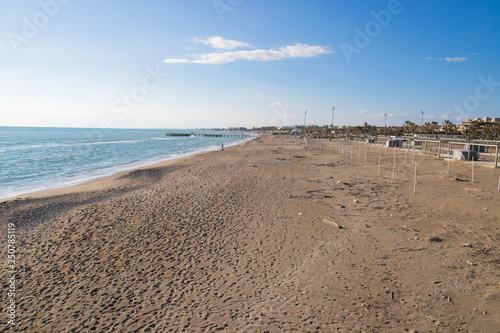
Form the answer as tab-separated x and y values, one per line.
266	236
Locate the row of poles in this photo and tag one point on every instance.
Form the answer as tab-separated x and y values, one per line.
345	147
344	150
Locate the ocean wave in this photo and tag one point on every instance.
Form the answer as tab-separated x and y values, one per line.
158	138
49	165
108	142
76	144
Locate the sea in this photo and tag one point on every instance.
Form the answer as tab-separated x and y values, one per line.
34	158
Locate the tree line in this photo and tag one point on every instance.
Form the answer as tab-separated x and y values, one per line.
474	130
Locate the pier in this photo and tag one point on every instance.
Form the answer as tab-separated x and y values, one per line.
211	135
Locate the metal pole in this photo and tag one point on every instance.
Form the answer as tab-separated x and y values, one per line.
448	170
472	169
496	157
439	149
333	112
415	179
393	169
413	162
305	117
379	157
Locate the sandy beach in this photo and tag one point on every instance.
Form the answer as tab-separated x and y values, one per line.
266	236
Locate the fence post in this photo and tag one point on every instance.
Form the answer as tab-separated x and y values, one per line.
415	179
379	157
496	157
439	149
472	169
449	157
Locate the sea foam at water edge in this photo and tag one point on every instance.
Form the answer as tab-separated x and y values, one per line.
36	159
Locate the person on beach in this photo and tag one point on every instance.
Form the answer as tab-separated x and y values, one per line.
222	147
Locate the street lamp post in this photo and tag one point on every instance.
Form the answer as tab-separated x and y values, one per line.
333	113
422	121
305	117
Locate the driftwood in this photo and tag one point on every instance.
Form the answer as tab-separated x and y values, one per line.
334	223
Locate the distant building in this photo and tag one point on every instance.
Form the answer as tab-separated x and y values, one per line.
465	124
481	122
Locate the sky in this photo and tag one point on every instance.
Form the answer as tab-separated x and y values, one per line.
249	63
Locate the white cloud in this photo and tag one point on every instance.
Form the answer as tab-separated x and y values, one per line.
359	112
456	59
448	59
279	105
390	115
218	42
291	51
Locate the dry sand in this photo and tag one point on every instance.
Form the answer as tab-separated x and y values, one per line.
266	236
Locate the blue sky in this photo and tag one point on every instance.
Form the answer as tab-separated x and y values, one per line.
220	63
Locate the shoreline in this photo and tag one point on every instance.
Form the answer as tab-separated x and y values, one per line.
84	185
265	236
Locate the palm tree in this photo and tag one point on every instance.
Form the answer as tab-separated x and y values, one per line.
488	132
410	127
427	128
430	128
491	131
449	127
433	126
472	130
496	130
358	130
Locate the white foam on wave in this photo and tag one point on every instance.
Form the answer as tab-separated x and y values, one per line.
70	180
160	138
76	144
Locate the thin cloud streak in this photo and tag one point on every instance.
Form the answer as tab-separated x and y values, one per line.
217	42
456	59
291	51
449	59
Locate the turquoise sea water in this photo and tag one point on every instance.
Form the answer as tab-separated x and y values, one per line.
35	159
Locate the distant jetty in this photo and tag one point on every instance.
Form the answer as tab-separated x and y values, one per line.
211	135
